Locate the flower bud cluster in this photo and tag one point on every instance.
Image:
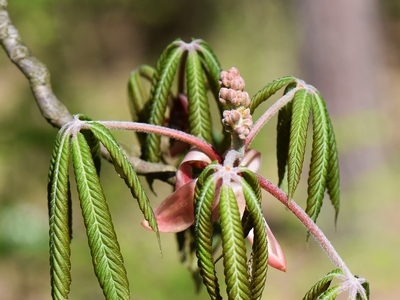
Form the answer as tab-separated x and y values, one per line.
238	119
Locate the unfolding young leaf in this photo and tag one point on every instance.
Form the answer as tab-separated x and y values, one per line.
332	179
319	158
126	171
199	110
269	90
330	294
282	140
162	82
298	137
211	66
321	285
204	198
139	91
212	69
259	267
107	258
139	86
59	200
234	249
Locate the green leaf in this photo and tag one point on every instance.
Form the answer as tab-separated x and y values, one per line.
107	258
139	92
282	140
319	158
330	294
199	111
332	179
162	82
269	90
59	200
234	249
252	180
212	69
298	137
283	136
211	66
92	142
126	172
260	244
203	200
321	285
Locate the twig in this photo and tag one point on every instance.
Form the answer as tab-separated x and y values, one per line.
52	109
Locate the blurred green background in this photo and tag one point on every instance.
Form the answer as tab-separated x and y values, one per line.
347	49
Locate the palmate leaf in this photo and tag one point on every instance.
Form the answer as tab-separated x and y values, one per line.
298	137
234	249
321	285
125	170
59	200
162	82
199	111
203	200
259	268
107	258
269	90
319	158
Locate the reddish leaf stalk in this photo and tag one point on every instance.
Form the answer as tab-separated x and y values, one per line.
307	222
172	133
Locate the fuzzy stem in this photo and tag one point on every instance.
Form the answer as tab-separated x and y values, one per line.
238	145
268	115
172	133
308	223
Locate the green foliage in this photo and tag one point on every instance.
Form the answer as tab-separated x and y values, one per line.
106	256
125	170
321	289
202	69
270	89
298	136
199	111
292	129
219	186
158	104
234	249
59	217
319	158
203	200
139	96
321	286
259	268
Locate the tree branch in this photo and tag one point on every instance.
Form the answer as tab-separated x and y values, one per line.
52	109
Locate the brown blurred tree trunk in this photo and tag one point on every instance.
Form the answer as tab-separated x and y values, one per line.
342	57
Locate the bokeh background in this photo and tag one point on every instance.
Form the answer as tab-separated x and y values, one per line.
348	49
